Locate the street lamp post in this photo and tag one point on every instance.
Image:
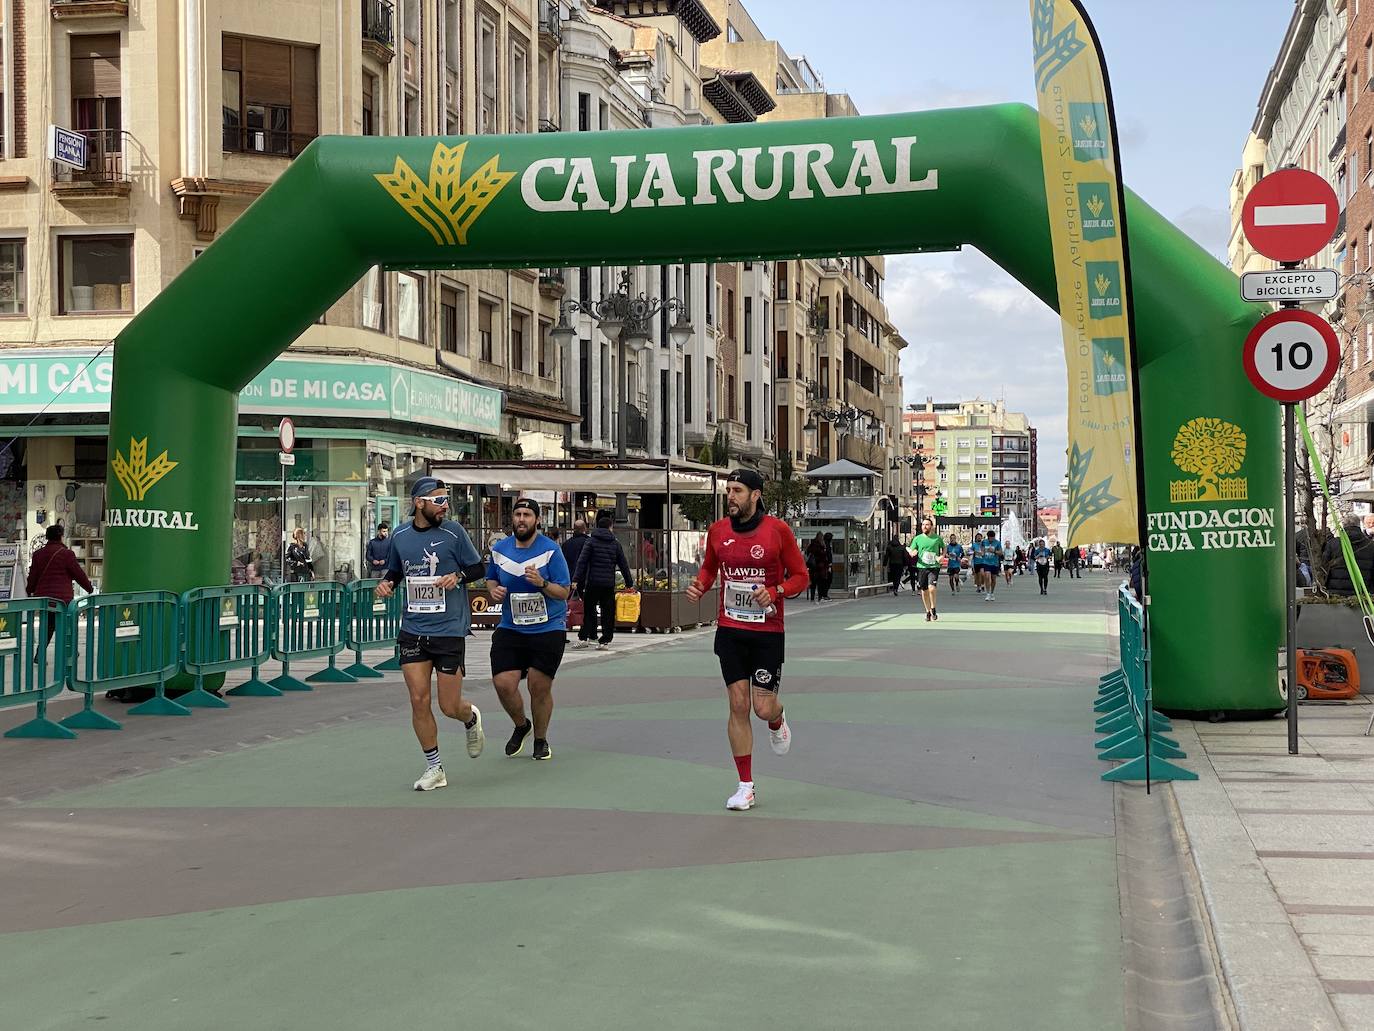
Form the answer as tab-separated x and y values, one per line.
918	459
625	322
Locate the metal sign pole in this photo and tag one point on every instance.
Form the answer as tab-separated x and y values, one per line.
1290	585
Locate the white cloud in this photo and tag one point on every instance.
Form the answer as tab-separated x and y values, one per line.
973	331
1209	227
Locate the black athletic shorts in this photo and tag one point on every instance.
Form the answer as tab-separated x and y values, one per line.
447	653
510	649
927	578
752	655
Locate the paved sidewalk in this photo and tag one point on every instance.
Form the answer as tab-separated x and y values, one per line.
937	850
1284	848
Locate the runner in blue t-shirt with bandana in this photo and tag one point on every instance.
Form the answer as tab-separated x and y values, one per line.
528	576
434	559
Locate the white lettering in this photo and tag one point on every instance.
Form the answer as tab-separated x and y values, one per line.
717	163
529	186
659	176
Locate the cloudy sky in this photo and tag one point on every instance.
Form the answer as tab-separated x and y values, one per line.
1186	78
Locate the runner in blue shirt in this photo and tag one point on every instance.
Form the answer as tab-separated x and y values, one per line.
1041	557
528	575
975	560
955	552
992	563
434	559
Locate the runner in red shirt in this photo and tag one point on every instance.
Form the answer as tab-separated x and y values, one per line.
759	564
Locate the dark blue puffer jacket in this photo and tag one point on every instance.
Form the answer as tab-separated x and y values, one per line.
600	556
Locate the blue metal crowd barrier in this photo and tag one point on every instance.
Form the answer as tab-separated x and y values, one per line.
372	623
224	629
1125	700
125	640
308	623
27	673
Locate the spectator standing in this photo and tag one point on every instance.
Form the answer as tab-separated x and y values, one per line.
379	551
595	575
51	574
299	566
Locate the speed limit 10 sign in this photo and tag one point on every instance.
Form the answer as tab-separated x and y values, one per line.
1291	355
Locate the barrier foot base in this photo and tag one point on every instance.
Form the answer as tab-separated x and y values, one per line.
1118	738
160	705
1165	750
391	665
1113	722
255	688
1130	749
286	682
331	675
43	728
1112	705
362	671
202	699
1159	770
89	719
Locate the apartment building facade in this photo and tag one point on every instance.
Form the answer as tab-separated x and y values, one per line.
983	450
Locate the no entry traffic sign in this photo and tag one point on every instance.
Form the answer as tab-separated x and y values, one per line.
1290	215
1291	355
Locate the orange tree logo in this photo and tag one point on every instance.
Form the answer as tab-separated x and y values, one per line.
447	205
136	474
1211	449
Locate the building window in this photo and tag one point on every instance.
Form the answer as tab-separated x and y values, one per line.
730	410
781	280
519	87
271	96
374	300
748	410
710	295
371	94
687	388
548	358
981	442
453	68
748	325
980	476
710	390
964	442
410	293
410	114
584	112
96	89
730	314
13	284
603	115
95	274
488	111
1368	152
485	314
453	320
944	477
963	477
517	342
980	459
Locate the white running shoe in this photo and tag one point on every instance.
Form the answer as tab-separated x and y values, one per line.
583	644
476	737
432	778
781	739
742	799
603	647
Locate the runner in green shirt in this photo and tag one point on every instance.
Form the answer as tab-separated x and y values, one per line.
928	548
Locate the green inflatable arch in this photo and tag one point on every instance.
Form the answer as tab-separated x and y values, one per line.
871	185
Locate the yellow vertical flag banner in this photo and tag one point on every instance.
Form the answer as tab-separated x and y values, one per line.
1087	228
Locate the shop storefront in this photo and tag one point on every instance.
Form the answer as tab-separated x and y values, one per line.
364	429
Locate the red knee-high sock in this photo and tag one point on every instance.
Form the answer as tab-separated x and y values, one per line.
745	765
777	723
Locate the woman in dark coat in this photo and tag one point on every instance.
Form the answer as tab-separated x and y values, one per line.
816	565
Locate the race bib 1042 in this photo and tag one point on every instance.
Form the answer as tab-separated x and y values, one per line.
528	609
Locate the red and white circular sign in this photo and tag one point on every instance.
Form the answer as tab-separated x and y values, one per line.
1290	215
286	434
1291	355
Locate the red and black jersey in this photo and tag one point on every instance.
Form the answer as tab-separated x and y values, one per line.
766	555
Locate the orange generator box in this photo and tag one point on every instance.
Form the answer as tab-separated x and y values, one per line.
1327	674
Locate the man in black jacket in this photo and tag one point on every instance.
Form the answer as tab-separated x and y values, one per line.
378	551
896	564
595	575
1338	576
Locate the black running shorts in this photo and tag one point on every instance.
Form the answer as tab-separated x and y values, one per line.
752	655
510	649
927	578
447	653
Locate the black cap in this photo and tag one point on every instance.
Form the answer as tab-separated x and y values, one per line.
529	503
749	477
424	485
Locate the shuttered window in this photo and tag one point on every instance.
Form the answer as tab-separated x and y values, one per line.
96	87
271	96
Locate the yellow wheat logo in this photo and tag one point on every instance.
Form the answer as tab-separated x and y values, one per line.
1088	124
128	614
1095	205
1103	284
1108	359
4	623
1210	449
443	206
137	475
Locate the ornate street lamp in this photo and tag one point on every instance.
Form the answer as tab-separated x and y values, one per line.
624	320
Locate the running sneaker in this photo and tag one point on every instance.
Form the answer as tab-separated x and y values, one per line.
603	647
927	617
780	739
476	737
542	749
935	615
432	778
742	799
516	744
582	644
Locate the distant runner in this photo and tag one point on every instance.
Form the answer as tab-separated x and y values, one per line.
975	557
954	551
434	560
760	564
1042	557
992	564
928	548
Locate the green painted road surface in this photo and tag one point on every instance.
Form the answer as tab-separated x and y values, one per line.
936	851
